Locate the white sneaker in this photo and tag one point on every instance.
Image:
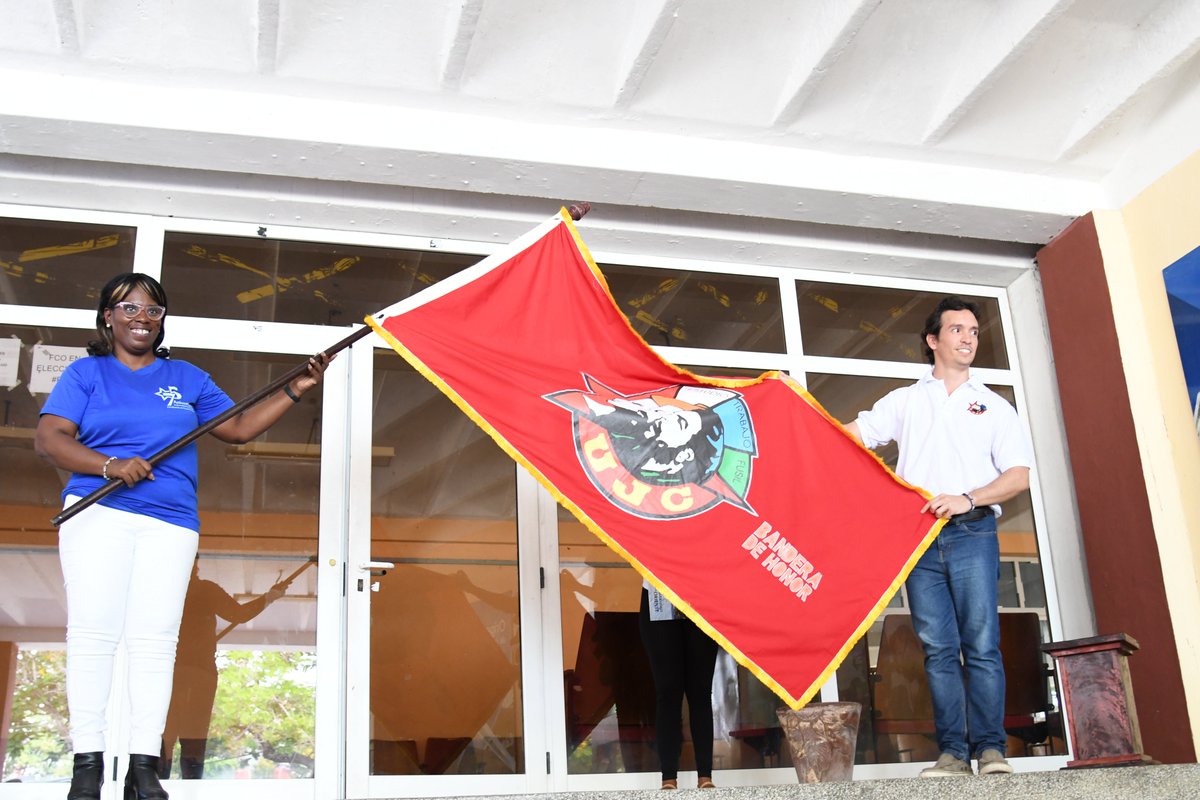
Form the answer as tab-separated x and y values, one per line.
992	762
948	766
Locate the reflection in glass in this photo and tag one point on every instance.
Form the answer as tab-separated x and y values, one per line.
303	282
844	396
609	689
445	693
1030	573
875	322
699	309
38	744
65	264
609	693
723	372
1006	587
243	703
33	612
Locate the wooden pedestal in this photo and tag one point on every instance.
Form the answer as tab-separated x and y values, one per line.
1093	674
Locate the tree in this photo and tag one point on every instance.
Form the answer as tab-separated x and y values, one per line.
39	746
265	712
264	715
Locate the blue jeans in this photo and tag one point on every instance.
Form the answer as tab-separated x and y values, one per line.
952	592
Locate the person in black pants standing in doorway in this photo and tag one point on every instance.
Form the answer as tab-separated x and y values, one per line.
682	659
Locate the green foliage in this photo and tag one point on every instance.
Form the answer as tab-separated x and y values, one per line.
580	760
264	716
264	713
38	745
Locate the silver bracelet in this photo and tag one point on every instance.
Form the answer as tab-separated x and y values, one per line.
104	471
970	500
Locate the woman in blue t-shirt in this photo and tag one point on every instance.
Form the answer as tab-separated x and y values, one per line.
126	559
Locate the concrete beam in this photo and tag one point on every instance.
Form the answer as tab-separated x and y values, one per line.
1013	29
56	116
832	29
66	21
267	50
1163	44
648	32
462	35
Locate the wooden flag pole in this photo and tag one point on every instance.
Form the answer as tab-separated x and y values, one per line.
286	582
575	210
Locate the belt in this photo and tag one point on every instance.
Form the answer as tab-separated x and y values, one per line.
976	513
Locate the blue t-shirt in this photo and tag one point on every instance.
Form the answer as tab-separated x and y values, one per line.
125	413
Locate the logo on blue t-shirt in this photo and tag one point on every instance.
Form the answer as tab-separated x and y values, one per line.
173	398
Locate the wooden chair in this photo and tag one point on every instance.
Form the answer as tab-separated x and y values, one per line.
904	711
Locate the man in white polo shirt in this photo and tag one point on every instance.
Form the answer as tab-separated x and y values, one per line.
964	443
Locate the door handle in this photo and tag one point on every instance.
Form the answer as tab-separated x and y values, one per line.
375	569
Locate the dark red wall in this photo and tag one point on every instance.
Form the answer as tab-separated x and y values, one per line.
1118	535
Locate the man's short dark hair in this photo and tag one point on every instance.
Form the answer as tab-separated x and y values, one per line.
933	324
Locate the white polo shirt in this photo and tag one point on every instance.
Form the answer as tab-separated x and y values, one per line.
949	444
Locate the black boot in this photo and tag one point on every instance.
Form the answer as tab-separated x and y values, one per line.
191	758
141	781
88	777
164	761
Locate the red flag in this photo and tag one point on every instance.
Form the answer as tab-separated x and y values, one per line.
742	501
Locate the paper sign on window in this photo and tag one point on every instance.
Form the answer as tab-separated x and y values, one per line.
49	361
10	354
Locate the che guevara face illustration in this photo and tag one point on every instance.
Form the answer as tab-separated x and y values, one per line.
661	440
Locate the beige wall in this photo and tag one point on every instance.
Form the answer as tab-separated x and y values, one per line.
1149	234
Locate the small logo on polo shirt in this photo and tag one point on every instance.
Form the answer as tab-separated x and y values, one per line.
977	408
173	398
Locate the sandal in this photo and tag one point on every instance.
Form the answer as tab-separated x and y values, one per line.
670	784
706	783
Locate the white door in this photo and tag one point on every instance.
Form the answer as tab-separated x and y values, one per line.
444	688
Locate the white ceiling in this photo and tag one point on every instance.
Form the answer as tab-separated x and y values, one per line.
995	119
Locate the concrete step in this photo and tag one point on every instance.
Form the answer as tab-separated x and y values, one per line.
1165	782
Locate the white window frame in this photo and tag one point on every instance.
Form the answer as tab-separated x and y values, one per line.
279	337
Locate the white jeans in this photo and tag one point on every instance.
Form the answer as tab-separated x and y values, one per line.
126	576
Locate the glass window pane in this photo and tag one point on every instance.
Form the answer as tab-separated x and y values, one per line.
843	396
699	309
609	686
1007	392
64	264
247	641
445	695
304	282
747	731
1031	584
33	606
609	691
38	748
724	372
874	322
1006	586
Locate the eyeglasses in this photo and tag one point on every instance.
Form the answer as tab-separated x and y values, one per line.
131	310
